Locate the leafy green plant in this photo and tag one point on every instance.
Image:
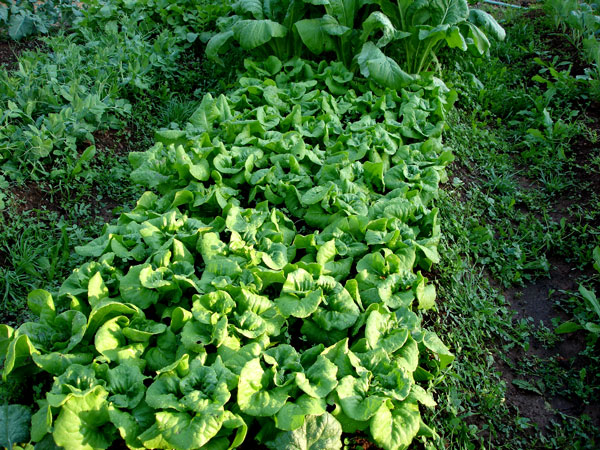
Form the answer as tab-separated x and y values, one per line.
410	32
201	311
413	32
266	27
23	18
57	100
583	22
14	424
592	307
186	19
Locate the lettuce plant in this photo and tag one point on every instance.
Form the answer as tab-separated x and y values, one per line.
272	281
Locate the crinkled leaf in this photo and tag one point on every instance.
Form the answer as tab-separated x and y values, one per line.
397	428
317	432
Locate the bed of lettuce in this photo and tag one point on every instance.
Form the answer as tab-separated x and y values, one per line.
269	279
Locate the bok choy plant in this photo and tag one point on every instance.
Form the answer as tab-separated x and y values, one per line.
387	40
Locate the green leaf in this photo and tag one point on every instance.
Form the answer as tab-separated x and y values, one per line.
384	70
254	33
448	11
133	291
204	389
41	304
56	363
126	386
132	423
14	425
379	21
434	343
300	295
298	305
217	44
426	295
397	428
590	296
326	252
355	399
567	327
320	378
18	353
112	343
41	422
80	424
183	431
164	393
317	433
487	22
256	394
19	26
254	7
596	255
6	336
97	290
478	42
292	415
316	33
455	39
338	311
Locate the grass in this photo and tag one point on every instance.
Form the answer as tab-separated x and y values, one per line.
516	206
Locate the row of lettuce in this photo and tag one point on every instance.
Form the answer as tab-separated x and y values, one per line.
273	276
270	282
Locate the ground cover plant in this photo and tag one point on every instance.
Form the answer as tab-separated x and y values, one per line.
20	19
520	228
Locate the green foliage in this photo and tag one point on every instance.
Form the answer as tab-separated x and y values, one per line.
14	424
582	22
23	18
410	32
588	312
266	27
500	230
413	32
317	432
187	20
56	100
240	340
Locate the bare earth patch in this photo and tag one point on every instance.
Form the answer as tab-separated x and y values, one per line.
10	51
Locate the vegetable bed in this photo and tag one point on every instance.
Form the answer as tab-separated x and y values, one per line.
273	277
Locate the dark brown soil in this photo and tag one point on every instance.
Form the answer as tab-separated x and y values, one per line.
10	51
34	196
528	404
38	196
359	441
465	174
108	141
117	142
534	299
587	174
561	46
113	140
536	302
